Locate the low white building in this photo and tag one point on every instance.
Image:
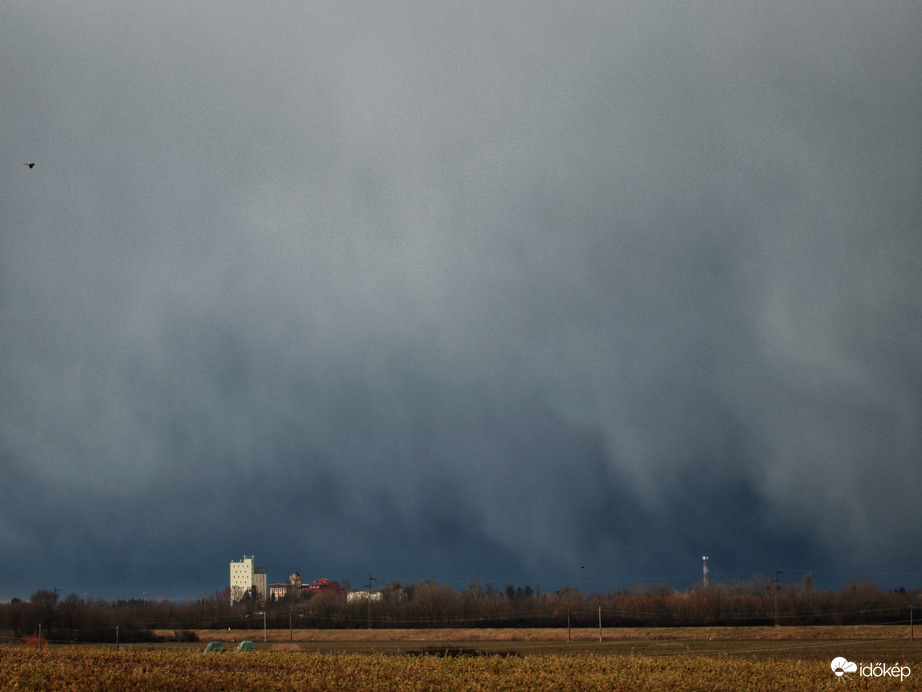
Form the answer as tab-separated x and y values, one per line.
244	575
362	596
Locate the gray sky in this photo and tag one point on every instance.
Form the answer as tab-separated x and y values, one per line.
459	290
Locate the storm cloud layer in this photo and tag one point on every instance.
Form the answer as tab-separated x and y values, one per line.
458	290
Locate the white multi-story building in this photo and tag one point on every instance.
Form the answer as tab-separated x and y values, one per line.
244	575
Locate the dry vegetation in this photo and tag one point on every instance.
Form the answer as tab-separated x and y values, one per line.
854	632
716	658
98	669
871	643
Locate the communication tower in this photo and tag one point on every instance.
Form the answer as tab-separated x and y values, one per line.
704	562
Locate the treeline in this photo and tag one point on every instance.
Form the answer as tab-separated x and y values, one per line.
759	601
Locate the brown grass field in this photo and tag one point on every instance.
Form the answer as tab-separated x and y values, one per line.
887	643
744	658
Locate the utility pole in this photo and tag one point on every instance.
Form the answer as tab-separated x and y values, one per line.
290	630
600	623
775	590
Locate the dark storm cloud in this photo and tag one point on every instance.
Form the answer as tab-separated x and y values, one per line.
458	291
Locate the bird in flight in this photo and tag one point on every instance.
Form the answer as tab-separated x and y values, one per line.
30	165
